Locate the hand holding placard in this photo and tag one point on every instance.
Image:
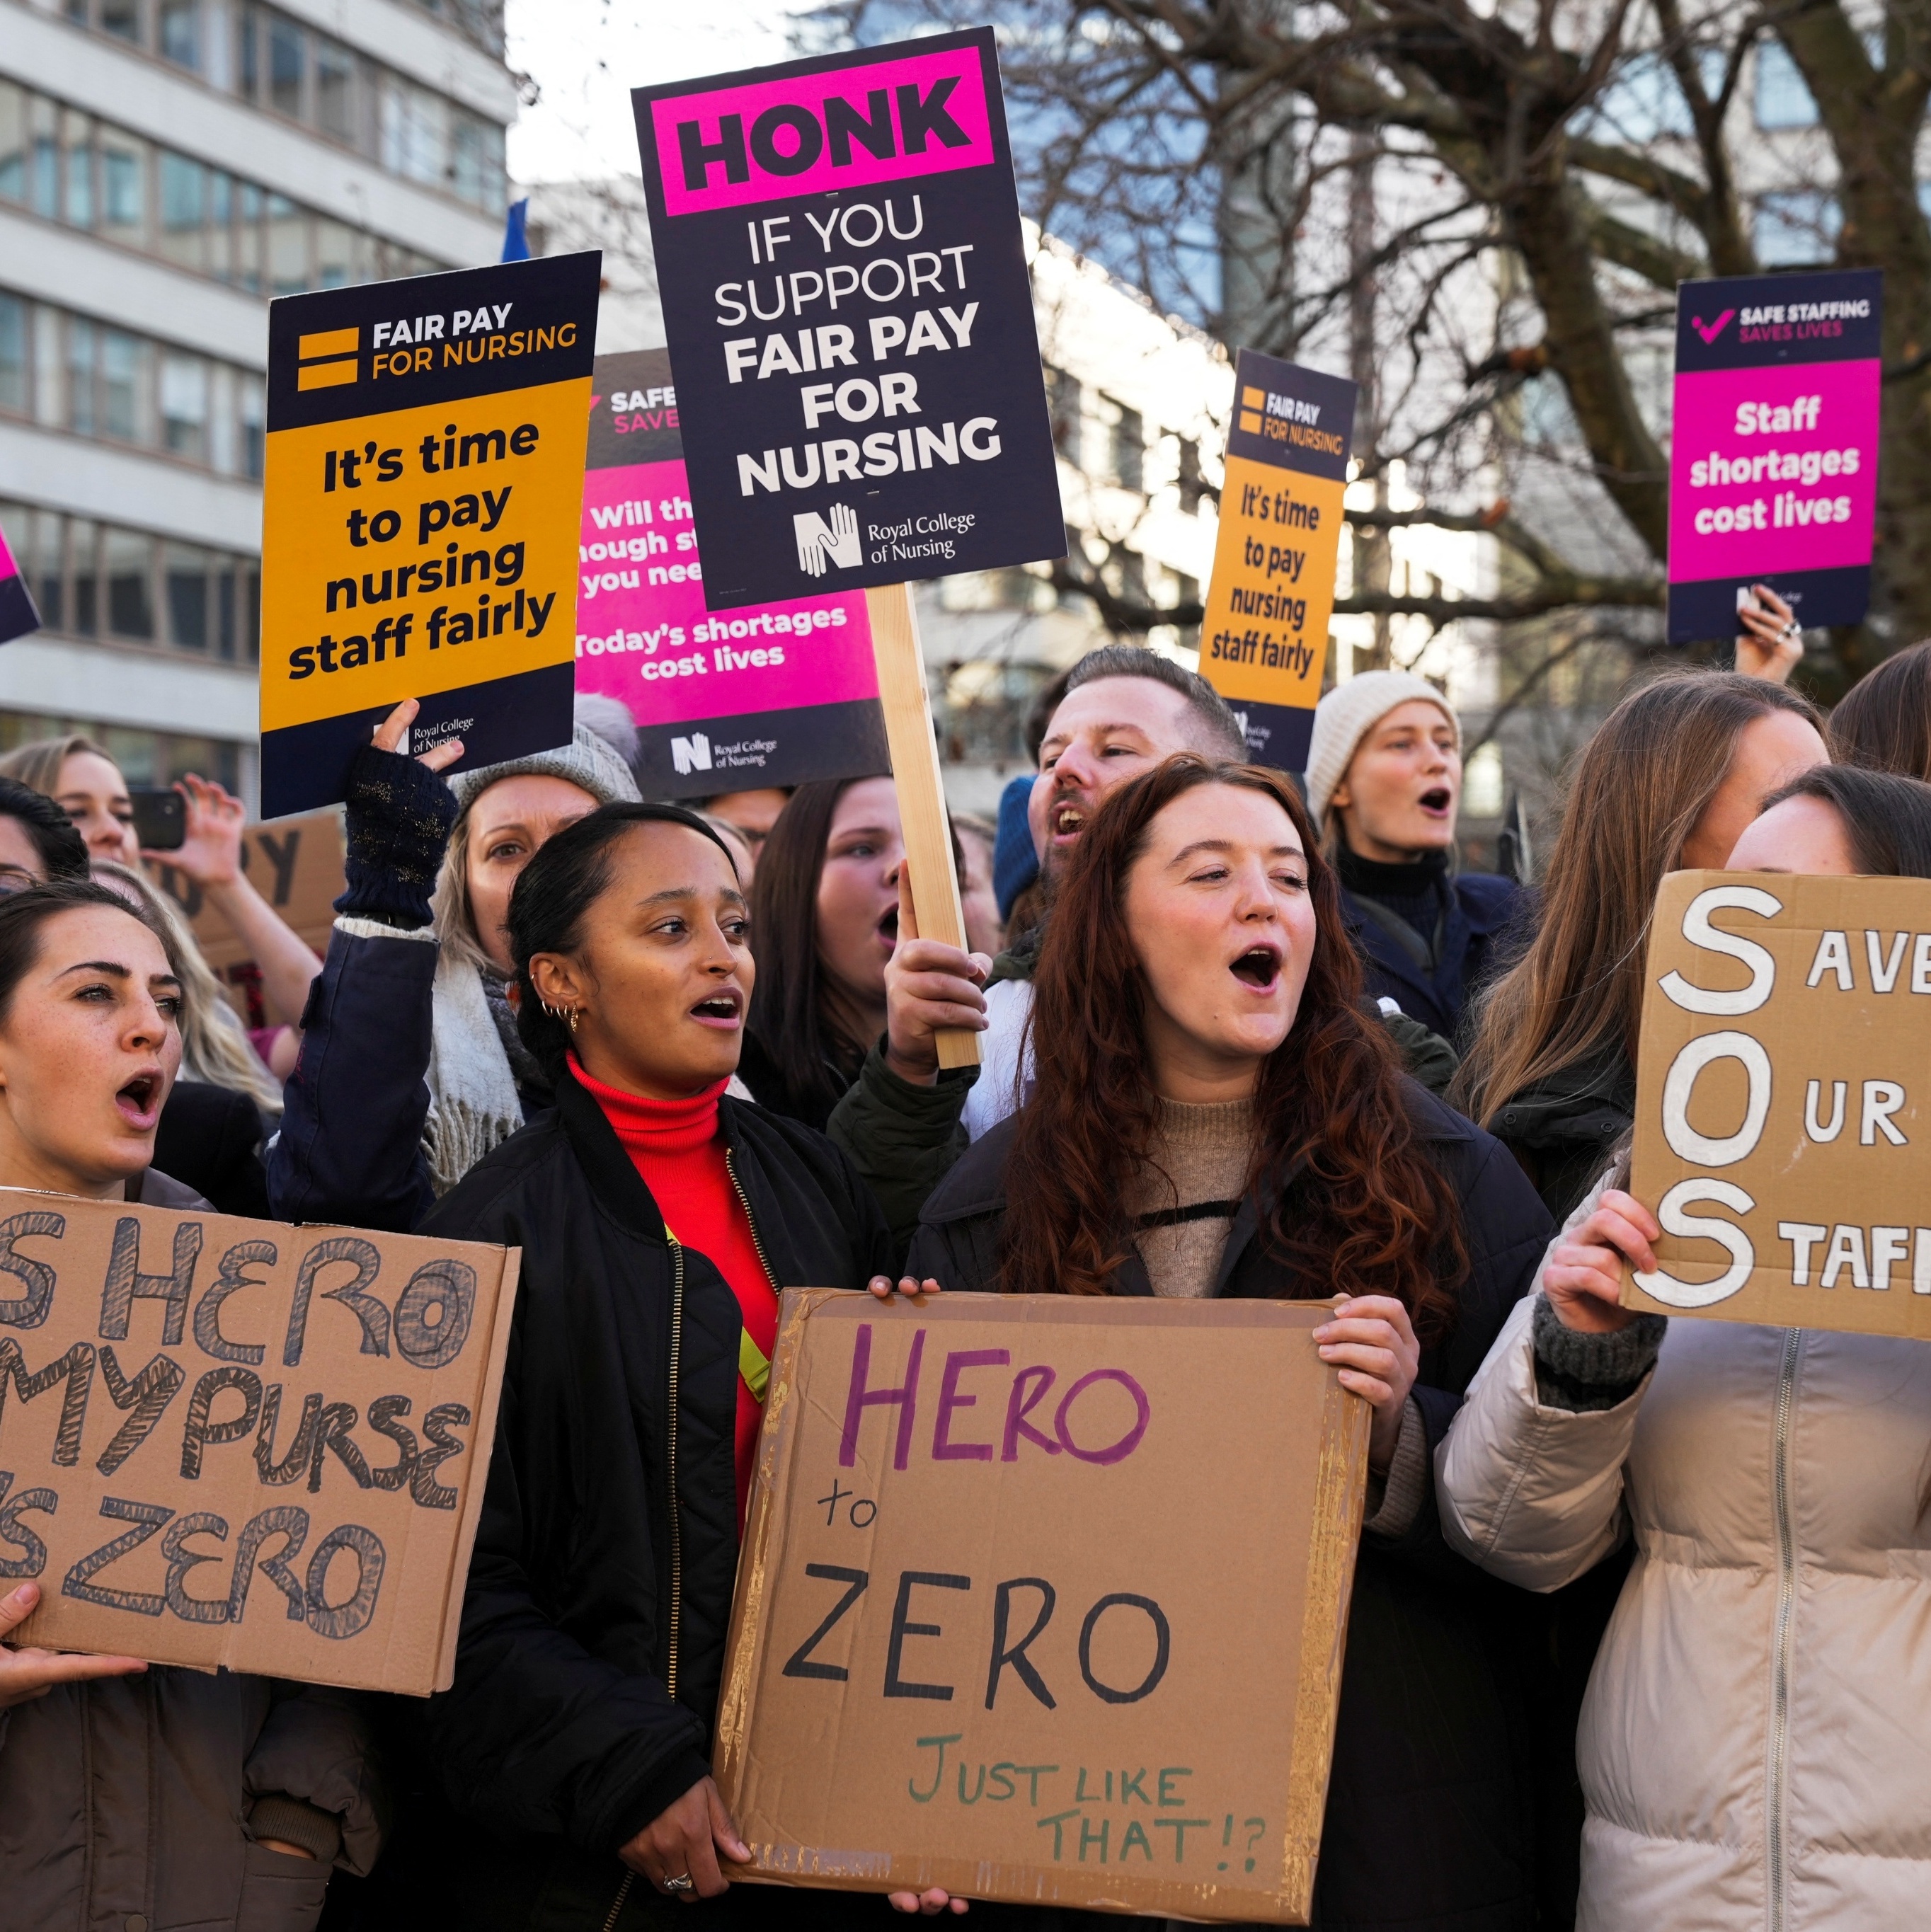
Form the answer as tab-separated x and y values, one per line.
1781	1134
982	1600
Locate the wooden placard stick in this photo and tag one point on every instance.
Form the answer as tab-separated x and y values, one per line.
928	831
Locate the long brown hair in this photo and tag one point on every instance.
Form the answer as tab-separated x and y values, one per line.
1884	722
1368	1212
795	1011
1641	784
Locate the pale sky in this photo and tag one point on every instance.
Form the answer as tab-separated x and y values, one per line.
587	55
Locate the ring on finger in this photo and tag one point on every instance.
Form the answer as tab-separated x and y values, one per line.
684	1882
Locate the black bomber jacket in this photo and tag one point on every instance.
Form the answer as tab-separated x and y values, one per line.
594	1623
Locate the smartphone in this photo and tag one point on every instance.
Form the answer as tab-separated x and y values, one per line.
160	818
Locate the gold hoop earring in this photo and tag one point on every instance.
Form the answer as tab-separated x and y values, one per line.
571	1018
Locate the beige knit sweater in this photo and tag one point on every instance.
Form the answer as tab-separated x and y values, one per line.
1188	1192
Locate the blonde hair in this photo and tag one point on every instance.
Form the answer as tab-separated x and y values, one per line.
215	1045
454	917
38	764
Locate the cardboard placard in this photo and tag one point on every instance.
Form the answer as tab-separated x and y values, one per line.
995	1631
1783	1108
238	1443
18	614
1773	459
297	865
848	312
1264	634
420	513
771	695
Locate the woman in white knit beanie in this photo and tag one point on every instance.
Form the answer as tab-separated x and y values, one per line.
1384	783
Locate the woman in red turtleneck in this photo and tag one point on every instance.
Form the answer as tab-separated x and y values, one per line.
675	1147
657	1217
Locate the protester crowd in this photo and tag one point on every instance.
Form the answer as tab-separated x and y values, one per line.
1237	1039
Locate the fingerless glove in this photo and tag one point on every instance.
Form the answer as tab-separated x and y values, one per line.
399	816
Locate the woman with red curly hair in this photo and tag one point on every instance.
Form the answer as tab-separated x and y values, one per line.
1213	1114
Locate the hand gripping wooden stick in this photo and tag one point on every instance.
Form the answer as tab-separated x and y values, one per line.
914	751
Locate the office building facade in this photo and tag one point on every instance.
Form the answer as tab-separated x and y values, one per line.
167	167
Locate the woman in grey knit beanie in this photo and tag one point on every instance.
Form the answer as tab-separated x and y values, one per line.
483	1081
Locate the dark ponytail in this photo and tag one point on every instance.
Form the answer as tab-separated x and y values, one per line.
569	874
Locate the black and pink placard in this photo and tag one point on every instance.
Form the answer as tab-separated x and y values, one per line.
1773	465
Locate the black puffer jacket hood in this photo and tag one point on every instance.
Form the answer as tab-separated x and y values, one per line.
1565	1127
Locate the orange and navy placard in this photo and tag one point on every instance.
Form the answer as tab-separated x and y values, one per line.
1264	637
424	486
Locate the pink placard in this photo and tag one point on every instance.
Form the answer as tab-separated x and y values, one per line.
925	114
644	635
1773	469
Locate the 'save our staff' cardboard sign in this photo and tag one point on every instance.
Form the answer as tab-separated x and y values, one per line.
760	695
424	473
992	1632
1783	1115
847	310
1773	460
239	1443
1264	635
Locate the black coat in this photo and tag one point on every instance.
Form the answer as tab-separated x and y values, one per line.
1431	1802
1431	982
210	1139
561	1737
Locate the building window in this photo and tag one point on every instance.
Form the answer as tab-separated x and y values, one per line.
16	378
415	133
1063	400
199	218
120	410
122	19
1793	229
187	573
252	435
127	562
88	578
1128	449
183	406
81	416
285	66
334	91
1783	96
181	32
121	176
1193	485
78	206
84	561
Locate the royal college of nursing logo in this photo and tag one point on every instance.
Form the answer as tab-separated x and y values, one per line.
836	541
691	754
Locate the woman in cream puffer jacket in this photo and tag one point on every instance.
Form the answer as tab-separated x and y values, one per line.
1755	1745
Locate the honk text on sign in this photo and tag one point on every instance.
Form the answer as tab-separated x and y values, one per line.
239	1444
1772	467
1783	1115
1264	637
845	295
424	469
764	695
991	1631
